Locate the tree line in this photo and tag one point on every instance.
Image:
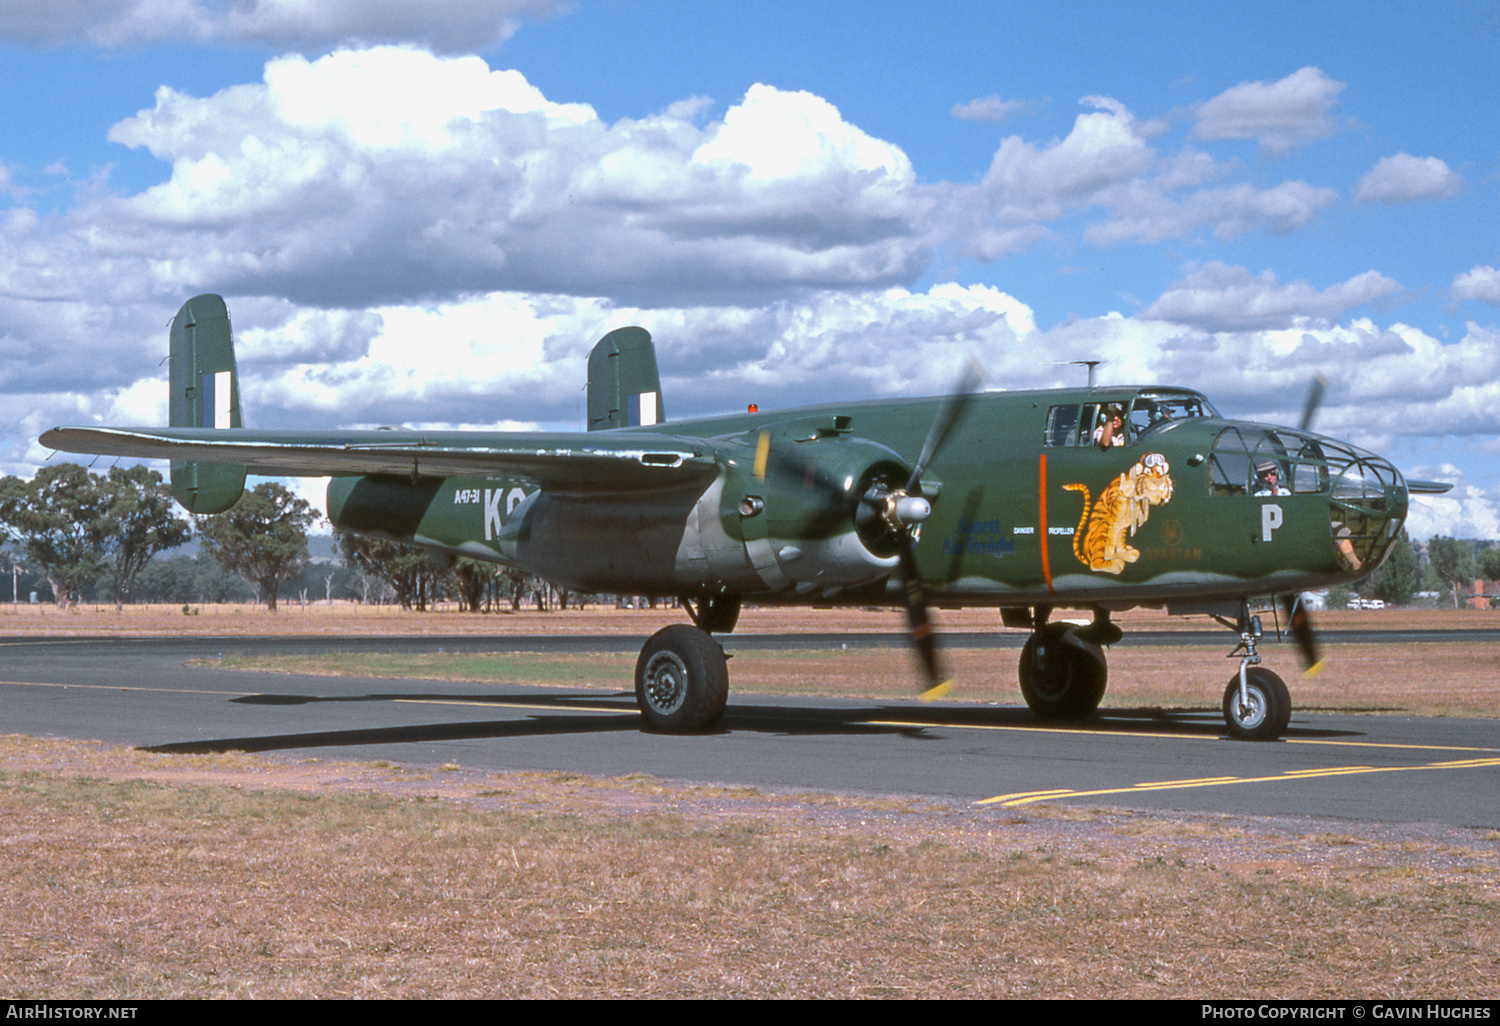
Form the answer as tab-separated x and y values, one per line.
90	536
97	537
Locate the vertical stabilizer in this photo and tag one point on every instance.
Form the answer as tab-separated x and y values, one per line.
205	394
624	386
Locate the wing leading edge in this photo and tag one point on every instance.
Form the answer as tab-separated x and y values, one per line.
562	461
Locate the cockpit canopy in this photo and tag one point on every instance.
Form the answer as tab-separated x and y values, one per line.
1141	413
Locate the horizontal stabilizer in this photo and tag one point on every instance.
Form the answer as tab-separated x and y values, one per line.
1427	487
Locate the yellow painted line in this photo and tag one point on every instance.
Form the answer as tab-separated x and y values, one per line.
1027	797
1037	794
1105	732
1334	771
1387	744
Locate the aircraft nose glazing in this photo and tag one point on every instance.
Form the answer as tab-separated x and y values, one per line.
1367	505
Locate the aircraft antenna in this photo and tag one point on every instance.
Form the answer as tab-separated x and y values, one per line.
1090	364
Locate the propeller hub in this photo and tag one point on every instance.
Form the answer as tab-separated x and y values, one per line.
904	511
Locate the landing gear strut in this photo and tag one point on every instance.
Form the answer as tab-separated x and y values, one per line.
716	614
1257	705
681	680
1063	673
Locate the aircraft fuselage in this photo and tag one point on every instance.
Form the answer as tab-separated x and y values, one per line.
1027	507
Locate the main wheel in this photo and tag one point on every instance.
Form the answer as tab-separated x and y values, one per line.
1062	678
681	680
1266	711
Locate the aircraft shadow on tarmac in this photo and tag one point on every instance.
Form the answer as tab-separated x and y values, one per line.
593	714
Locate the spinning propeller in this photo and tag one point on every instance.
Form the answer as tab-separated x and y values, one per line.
888	515
1298	622
906	509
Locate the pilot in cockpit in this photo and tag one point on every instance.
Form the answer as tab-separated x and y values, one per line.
1268	479
1111	429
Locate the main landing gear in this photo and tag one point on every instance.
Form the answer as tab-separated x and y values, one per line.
681	680
1063	671
682	675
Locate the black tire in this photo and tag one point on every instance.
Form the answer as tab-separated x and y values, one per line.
1269	709
681	680
1062	678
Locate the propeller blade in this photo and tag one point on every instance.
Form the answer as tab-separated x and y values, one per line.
1314	400
948	414
918	616
1299	624
923	637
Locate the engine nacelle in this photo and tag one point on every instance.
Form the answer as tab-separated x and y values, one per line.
808	502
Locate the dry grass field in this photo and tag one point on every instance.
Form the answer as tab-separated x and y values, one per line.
131	875
1427	680
351	618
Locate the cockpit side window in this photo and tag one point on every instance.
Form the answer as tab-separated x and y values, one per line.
1083	424
1062	425
1311	474
1273	467
1230	464
1151	411
1110	427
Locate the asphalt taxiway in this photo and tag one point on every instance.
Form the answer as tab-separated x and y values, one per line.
141	691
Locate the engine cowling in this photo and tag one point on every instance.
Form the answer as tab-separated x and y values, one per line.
818	510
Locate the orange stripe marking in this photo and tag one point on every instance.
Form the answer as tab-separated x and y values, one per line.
1041	527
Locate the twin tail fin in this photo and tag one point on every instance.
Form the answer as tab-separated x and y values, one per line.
205	394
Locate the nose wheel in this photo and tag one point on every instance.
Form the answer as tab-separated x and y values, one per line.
1257	705
1261	709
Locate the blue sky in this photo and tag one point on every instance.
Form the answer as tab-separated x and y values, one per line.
426	214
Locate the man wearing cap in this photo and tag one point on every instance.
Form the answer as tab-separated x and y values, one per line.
1268	479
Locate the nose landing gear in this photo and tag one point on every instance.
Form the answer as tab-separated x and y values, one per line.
1257	705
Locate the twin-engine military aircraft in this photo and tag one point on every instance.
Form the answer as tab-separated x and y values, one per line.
1098	499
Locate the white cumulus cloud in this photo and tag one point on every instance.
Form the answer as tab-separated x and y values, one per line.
1281	116
1404	178
1481	283
369	175
1218	297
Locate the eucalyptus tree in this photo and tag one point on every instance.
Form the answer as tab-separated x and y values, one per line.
141	522
60	519
263	537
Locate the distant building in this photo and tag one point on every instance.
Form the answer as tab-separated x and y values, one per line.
1484	595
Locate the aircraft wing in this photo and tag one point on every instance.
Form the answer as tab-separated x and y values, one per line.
576	462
